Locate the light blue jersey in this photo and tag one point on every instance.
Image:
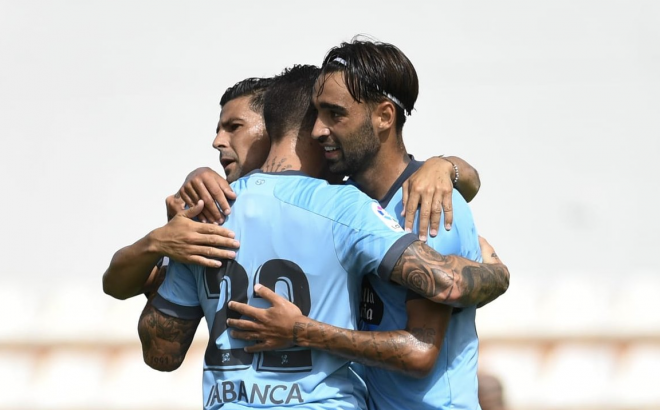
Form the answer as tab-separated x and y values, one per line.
453	382
310	242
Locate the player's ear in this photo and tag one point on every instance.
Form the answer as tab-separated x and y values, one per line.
385	115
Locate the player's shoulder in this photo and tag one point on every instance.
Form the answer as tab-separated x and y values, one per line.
311	192
343	204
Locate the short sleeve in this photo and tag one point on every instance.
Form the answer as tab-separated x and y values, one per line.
177	295
368	239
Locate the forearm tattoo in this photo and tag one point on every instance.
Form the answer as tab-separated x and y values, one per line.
392	350
452	280
165	339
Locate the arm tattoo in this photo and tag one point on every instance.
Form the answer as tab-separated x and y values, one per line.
165	339
392	350
297	329
451	280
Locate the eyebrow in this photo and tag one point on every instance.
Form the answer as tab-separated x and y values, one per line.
226	122
333	107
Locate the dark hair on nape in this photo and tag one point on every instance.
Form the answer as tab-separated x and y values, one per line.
255	87
288	101
375	71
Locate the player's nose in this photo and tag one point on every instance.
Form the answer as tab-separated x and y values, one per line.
320	131
221	140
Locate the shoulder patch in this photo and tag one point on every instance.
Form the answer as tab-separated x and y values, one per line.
387	219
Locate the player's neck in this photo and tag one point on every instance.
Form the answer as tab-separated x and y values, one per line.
377	179
295	153
281	158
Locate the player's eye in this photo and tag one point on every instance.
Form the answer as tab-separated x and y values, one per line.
335	115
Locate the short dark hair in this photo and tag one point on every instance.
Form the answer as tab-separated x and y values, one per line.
375	71
288	101
254	87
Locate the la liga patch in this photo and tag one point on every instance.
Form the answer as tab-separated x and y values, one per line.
387	219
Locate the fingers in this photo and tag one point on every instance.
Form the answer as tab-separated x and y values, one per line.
448	210
223	194
204	190
197	193
187	198
195	242
246	310
424	215
193	211
197	233
268	294
201	261
210	229
257	347
411	209
431	211
436	214
206	256
174	204
250	332
245	325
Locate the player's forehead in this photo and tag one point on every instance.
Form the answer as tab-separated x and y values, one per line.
238	109
330	89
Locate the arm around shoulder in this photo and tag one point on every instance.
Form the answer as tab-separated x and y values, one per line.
450	280
130	269
467	181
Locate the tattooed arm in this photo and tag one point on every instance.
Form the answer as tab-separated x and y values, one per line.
165	339
412	351
451	280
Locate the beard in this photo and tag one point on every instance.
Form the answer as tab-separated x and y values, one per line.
358	151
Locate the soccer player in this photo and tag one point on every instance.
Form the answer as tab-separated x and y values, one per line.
305	239
363	96
243	144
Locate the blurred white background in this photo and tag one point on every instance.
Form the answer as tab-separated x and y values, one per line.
106	106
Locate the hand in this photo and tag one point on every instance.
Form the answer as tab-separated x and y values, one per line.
174	205
272	327
207	185
188	241
488	254
430	188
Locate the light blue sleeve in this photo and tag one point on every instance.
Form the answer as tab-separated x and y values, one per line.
177	295
368	239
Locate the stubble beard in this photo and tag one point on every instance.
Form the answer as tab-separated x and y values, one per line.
235	174
359	151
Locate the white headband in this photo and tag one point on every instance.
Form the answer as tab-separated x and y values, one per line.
385	93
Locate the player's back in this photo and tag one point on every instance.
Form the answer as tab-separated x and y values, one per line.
310	242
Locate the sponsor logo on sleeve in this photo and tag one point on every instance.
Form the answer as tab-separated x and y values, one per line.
387	219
